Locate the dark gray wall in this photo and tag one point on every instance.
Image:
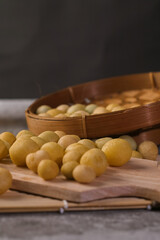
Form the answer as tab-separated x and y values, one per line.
46	45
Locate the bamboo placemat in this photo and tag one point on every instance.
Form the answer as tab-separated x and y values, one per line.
14	201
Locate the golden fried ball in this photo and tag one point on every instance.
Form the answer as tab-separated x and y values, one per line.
148	149
48	169
5	180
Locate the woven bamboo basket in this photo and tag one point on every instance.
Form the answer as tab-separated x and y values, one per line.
141	122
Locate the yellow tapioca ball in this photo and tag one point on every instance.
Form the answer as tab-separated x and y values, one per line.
8	137
48	169
88	143
5	180
43	109
20	149
68	168
118	152
3	149
55	151
96	159
72	155
148	149
84	174
24	132
49	136
33	159
66	140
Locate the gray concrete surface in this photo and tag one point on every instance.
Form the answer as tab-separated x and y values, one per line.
118	224
12	114
122	225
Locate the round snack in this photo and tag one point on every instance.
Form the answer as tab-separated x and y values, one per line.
100	110
3	150
20	149
71	156
79	113
5	180
42	109
55	151
79	148
53	112
84	174
96	159
24	136
38	140
118	108
24	132
88	143
60	133
131	105
90	108
68	168
63	107
61	116
118	152
33	159
66	140
130	140
75	108
48	169
44	115
136	154
148	149
8	137
7	145
111	106
49	136
101	141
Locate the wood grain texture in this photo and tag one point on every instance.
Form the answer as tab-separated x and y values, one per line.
13	201
138	178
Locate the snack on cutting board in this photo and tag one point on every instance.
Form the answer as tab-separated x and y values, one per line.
118	152
148	150
3	149
68	167
8	137
20	149
136	154
5	180
48	169
24	133
66	140
78	159
84	174
88	143
49	136
33	159
55	151
78	147
111	103
131	141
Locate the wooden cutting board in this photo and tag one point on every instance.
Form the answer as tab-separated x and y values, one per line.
138	178
13	201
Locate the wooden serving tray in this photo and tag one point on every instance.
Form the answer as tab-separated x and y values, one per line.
138	178
13	201
139	121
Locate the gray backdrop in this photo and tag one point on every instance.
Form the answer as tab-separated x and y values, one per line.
46	45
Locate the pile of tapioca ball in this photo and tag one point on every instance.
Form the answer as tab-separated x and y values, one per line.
76	110
51	153
110	103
